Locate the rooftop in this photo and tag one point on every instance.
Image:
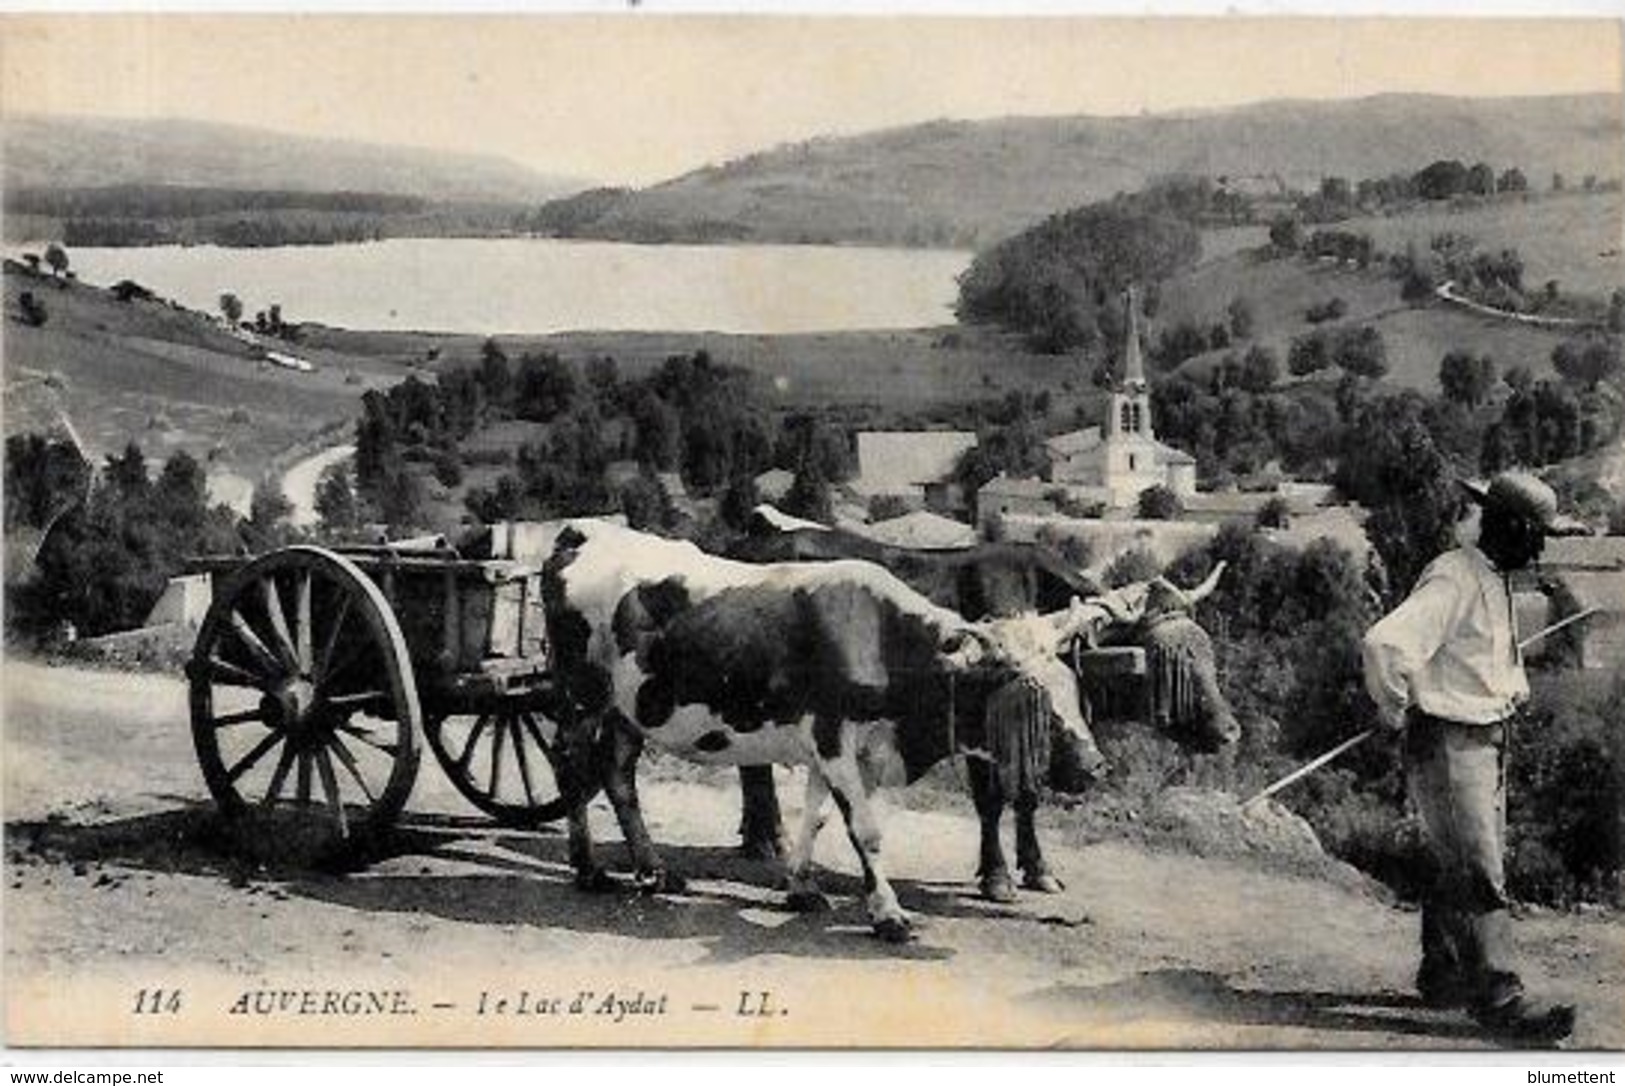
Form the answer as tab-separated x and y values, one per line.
1074	441
920	530
1025	487
899	462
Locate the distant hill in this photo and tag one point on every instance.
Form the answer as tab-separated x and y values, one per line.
61	152
966	183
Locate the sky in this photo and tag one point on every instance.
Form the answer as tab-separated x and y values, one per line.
635	98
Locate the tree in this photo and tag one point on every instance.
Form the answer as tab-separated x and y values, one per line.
268	512
646	504
1160	503
1259	369
1360	351
1308	354
809	496
1058	282
1242	318
1467	378
57	257
494	375
1558	183
1286	234
739	499
1133	565
1616	312
1274	513
34	312
337	508
544	388
1441	180
231	307
1512	180
1391	465
1587	361
1480	179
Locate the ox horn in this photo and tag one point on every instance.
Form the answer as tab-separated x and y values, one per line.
1205	589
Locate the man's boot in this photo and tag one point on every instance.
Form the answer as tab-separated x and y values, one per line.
1510	1015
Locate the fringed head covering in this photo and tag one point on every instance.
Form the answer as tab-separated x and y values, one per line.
1018	735
1178	653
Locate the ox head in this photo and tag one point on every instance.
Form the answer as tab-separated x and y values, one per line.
1026	698
1185	701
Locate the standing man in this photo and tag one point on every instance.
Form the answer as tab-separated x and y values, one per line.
1444	667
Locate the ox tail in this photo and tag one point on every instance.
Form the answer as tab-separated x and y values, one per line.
1018	736
1177	652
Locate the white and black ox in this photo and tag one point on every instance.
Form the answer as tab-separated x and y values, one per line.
838	666
1182	699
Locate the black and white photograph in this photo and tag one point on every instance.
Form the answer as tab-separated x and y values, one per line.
649	531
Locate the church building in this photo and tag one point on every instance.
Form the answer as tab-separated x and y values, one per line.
1114	463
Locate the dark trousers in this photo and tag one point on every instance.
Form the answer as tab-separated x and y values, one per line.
1456	782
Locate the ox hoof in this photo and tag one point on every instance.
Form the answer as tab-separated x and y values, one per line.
807	901
894	929
595	881
661	881
998	888
1043	882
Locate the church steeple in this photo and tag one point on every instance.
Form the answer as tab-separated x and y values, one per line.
1133	364
1129	414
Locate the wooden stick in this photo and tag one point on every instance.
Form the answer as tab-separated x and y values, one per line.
1349	744
1309	767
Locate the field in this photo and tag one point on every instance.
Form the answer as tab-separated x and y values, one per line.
1416	338
911	371
1574	239
172	379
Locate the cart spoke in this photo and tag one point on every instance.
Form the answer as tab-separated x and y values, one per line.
467	757
498	741
229	674
279	625
535	731
349	762
279	777
226	720
359	698
366	737
256	648
248	760
304	778
330	788
524	760
354	653
333	636
302	619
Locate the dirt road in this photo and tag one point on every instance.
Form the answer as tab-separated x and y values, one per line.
112	874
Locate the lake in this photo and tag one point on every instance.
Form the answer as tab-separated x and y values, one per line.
523	285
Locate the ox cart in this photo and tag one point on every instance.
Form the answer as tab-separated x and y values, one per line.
318	673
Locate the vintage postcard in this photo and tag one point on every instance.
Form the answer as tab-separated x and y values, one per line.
570	531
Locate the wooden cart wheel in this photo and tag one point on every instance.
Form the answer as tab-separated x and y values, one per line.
304	706
508	762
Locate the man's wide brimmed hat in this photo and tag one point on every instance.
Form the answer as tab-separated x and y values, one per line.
1527	497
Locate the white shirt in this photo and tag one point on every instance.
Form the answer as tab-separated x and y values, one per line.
1450	649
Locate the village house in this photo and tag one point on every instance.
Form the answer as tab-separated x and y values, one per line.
906	465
